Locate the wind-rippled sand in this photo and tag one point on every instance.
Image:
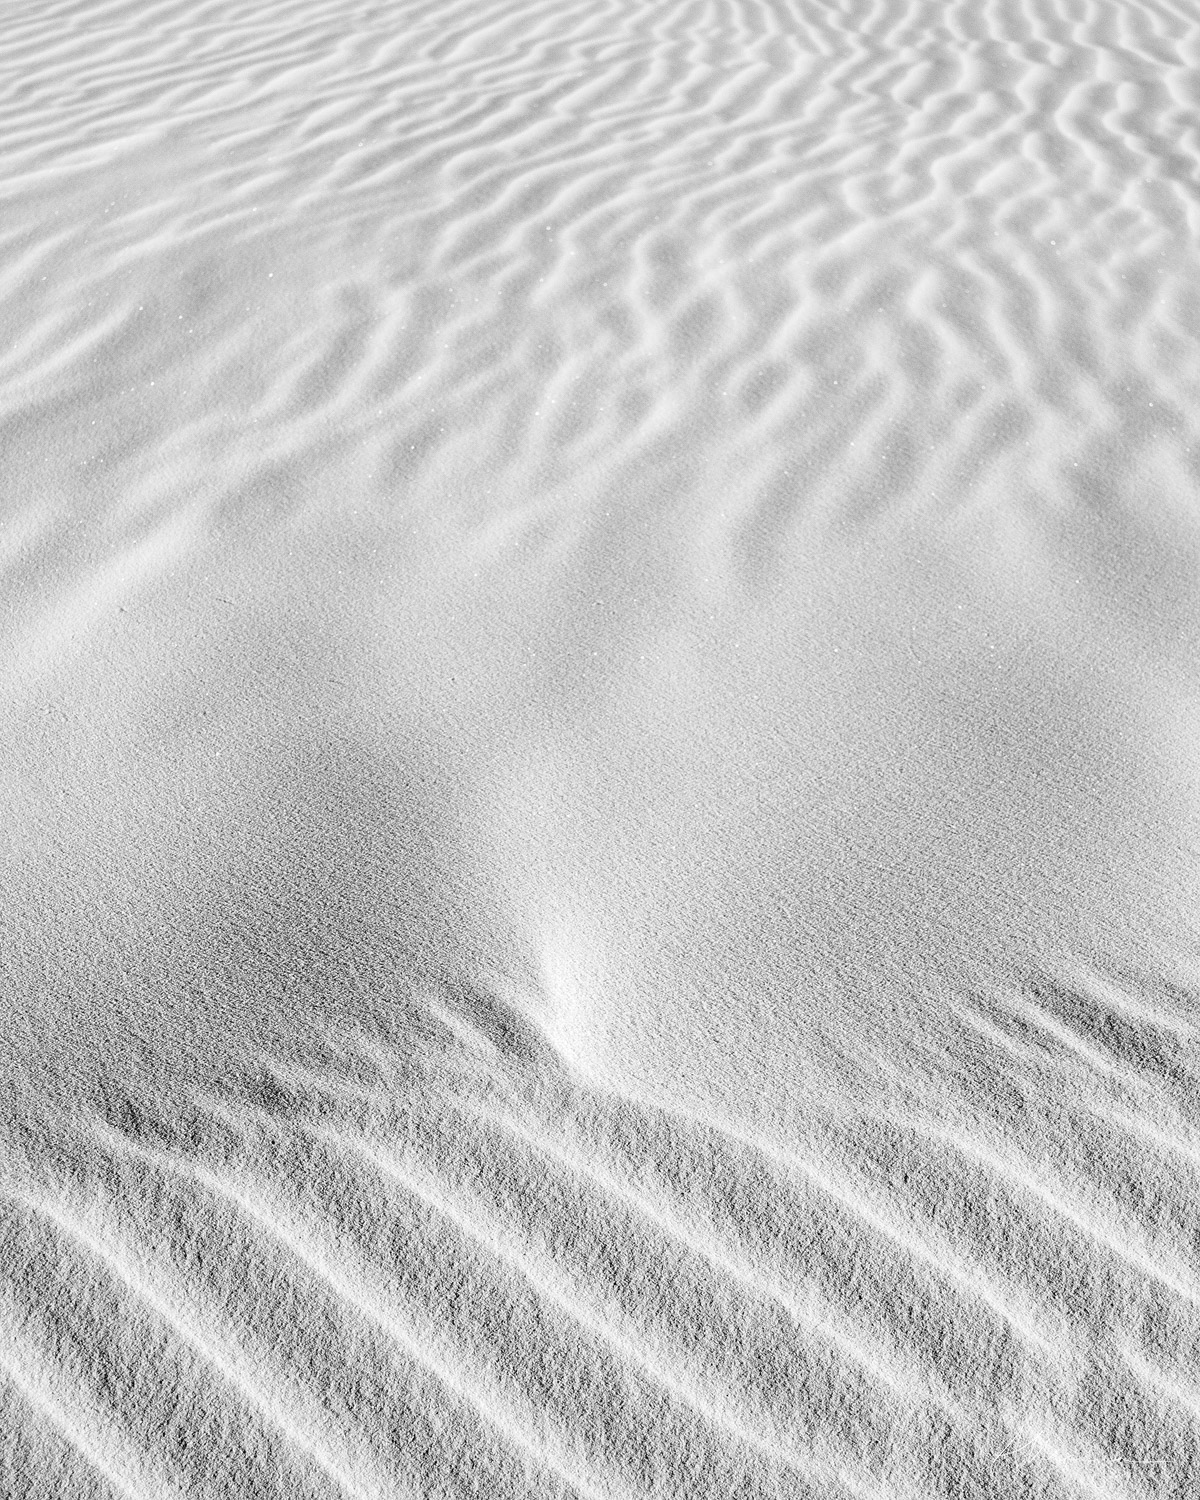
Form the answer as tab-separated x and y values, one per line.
598	727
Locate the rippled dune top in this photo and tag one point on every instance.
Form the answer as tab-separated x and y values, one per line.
870	261
692	500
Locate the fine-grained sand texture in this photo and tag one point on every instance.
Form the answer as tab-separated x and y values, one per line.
598	721
448	1268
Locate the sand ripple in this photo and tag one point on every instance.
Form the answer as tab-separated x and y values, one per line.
438	441
439	1268
858	257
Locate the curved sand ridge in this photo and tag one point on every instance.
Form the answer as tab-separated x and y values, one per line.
451	1268
666	534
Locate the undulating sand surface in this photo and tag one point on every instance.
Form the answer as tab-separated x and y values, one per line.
600	739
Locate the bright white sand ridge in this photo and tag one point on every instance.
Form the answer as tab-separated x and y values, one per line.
600	730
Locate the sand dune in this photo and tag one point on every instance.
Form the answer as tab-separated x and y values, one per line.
456	1272
599	861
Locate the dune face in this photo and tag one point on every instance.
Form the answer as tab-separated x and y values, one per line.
449	1267
598	874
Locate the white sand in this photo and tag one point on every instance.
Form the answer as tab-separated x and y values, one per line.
599	726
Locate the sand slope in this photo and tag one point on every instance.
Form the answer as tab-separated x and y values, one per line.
452	1269
598	699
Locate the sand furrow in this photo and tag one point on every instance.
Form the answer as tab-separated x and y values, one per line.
463	1182
716	1413
911	1239
121	1357
230	1370
100	1449
1063	1204
389	1420
422	1351
904	1381
35	1455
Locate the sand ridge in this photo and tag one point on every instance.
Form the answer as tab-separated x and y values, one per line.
551	1289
